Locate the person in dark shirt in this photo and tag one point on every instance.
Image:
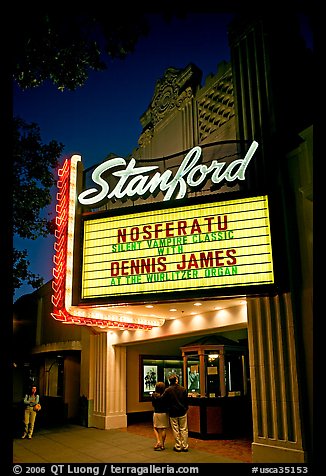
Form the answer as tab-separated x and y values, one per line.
160	416
176	398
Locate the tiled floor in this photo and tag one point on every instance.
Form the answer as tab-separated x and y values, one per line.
135	444
239	449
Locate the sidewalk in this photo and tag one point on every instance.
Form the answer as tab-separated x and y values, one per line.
77	444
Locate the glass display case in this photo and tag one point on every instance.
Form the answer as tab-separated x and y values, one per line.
215	373
154	369
193	385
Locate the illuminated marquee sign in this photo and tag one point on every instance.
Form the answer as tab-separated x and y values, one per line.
212	245
135	181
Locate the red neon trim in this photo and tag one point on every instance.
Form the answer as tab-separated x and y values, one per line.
60	261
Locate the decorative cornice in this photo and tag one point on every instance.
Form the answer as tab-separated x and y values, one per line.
146	137
184	97
166	95
172	91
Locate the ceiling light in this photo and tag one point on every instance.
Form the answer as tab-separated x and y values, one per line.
197	304
173	310
149	306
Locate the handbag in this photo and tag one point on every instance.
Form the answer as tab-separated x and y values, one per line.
37	407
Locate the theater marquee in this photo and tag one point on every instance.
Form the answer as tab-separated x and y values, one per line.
197	247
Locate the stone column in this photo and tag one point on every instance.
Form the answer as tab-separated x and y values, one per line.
108	383
277	435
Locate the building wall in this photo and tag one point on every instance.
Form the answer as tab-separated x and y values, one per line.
49	330
300	173
268	84
72	385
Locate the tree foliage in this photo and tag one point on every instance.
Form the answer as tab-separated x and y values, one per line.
63	48
34	164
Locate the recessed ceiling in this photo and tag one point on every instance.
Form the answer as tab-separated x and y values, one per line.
177	309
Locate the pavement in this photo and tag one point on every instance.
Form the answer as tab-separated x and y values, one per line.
77	444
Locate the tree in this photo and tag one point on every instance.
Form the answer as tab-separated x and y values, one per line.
33	177
63	48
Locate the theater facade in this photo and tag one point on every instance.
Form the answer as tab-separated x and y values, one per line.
192	255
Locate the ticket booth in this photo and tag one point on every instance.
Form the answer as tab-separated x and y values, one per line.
216	375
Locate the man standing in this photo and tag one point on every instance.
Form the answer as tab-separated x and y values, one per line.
176	399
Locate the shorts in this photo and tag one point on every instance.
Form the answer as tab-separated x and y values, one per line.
161	420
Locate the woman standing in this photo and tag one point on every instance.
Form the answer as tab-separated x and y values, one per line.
31	399
160	416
